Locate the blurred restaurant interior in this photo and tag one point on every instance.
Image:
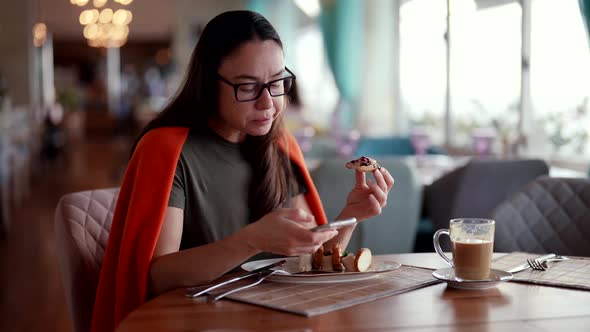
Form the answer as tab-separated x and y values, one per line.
428	87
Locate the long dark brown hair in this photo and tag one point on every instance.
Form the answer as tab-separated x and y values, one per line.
197	100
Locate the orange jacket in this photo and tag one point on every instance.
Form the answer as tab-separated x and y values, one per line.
138	218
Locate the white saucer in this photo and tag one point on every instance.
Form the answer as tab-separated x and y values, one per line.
448	275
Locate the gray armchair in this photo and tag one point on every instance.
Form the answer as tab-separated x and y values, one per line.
395	229
549	215
475	189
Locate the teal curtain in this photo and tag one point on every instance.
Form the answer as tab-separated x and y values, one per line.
280	15
585	9
286	23
260	6
342	24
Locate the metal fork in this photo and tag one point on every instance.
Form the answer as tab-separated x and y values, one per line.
542	265
536	265
261	277
198	291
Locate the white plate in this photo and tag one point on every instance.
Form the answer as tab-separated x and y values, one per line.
448	275
378	266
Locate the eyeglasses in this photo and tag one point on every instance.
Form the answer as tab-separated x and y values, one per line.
252	91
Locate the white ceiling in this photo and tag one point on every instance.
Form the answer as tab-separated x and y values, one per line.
152	19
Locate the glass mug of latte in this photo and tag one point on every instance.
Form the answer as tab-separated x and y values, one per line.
472	244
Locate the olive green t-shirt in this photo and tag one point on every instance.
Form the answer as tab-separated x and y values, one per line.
212	186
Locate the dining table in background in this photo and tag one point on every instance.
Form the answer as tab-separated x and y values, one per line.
509	306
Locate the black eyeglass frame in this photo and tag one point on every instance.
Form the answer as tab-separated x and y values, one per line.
261	85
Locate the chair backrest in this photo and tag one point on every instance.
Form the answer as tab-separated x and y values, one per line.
549	215
82	224
393	231
476	188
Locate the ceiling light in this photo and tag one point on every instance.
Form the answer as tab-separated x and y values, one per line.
99	3
39	34
106	15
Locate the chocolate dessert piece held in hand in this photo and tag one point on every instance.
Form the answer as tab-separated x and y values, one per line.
363	164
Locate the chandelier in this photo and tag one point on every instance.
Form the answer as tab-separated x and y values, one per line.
105	26
39	34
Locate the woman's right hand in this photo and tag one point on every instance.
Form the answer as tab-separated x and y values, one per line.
286	232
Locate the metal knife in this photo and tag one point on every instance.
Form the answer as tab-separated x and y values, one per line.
195	292
525	266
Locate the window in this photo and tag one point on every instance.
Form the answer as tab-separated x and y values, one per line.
315	81
485	67
423	63
486	70
560	77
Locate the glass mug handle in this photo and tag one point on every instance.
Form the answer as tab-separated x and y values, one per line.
436	242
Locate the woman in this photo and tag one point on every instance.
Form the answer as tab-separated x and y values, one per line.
215	180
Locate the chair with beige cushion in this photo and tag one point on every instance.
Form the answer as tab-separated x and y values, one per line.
82	224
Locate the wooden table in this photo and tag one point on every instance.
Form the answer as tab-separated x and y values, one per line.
508	307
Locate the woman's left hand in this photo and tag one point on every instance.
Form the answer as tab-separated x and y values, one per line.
367	198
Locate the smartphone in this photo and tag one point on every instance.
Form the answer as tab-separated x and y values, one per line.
335	224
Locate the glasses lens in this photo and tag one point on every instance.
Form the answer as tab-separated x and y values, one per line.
277	88
281	87
248	91
251	91
287	84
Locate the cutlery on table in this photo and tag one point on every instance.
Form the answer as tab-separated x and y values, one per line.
548	258
262	271
542	265
261	276
536	265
